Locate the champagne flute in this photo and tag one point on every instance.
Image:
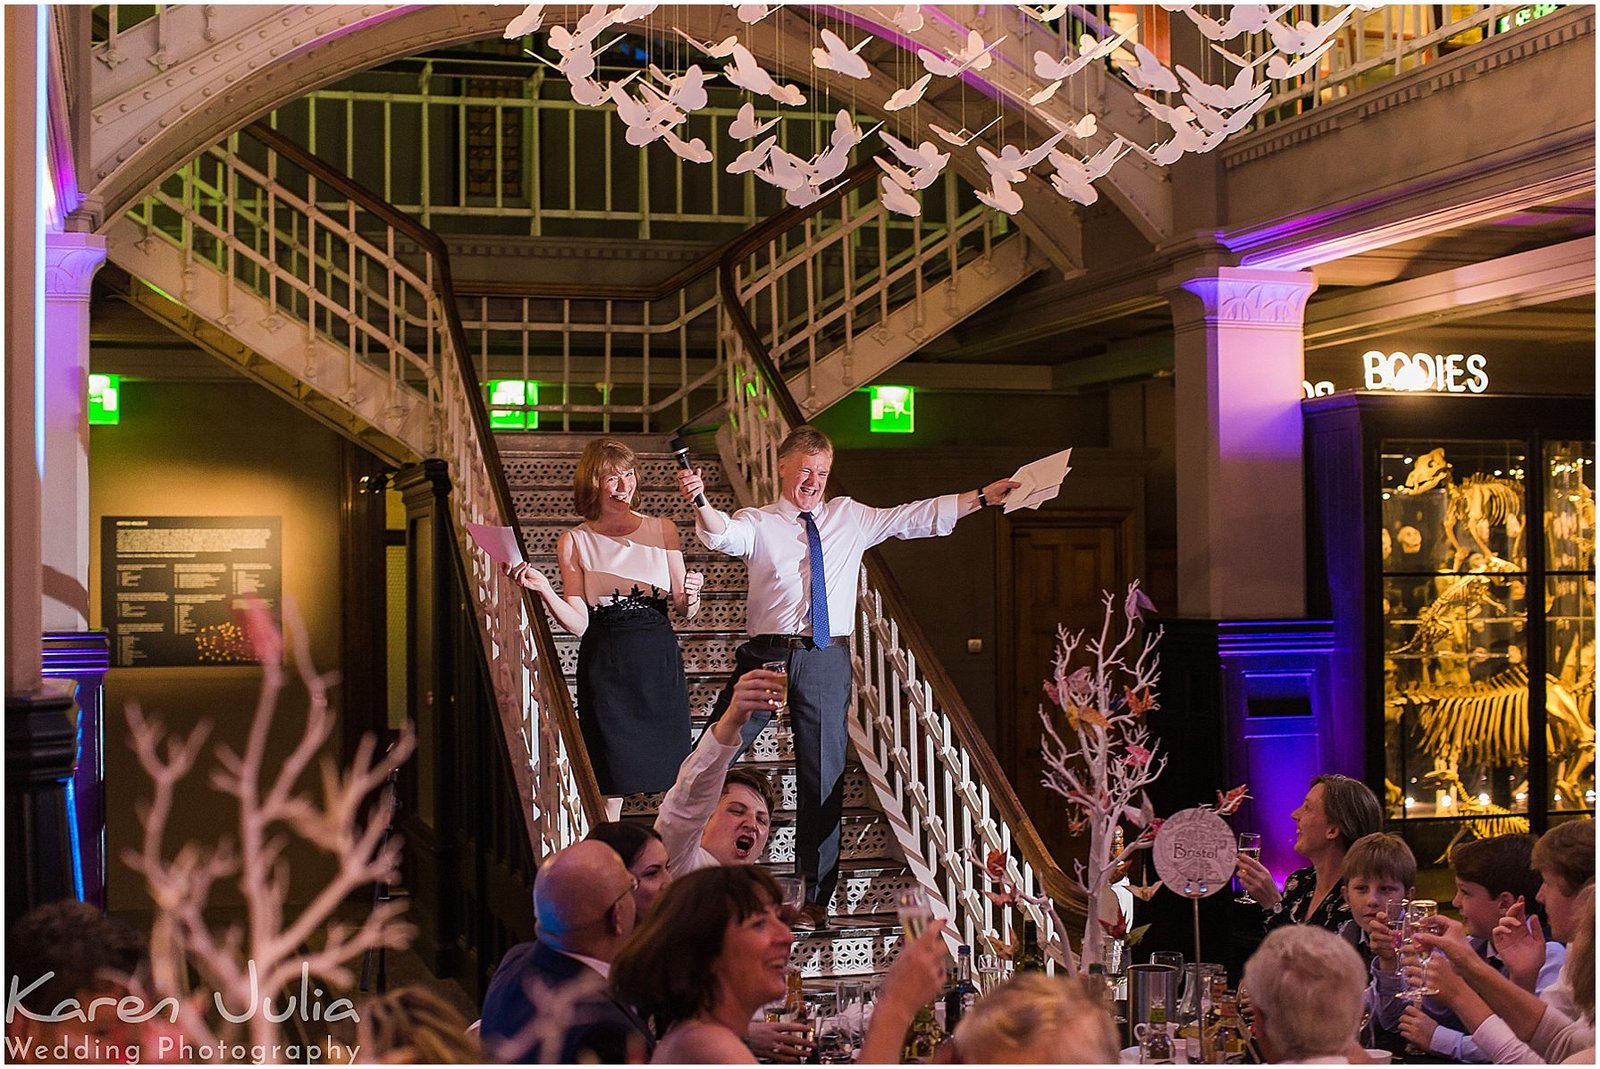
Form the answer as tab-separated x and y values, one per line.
911	903
782	669
1250	847
1420	916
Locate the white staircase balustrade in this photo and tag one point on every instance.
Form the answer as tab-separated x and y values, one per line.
247	251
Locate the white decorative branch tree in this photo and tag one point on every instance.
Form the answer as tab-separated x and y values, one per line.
1105	758
267	952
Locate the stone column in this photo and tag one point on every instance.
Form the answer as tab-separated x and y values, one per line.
1240	358
70	263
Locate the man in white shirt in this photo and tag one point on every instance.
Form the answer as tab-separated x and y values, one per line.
790	546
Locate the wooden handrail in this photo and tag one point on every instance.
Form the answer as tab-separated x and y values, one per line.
1056	882
544	639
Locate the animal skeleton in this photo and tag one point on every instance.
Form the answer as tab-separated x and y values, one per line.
1479	502
1465	599
1486	723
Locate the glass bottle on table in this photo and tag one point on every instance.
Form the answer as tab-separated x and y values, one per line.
1155	1042
1228	1037
962	994
1030	958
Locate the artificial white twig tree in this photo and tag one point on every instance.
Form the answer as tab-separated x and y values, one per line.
266	954
1104	760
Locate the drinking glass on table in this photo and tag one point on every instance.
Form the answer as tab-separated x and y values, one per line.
911	903
793	897
1250	847
782	669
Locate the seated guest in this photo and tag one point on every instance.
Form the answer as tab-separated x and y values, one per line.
1306	987
411	1025
642	851
1035	1019
1491	875
1379	871
1564	858
713	951
70	952
1511	1024
714	816
1336	812
549	1000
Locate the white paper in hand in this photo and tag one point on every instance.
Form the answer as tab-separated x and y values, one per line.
1040	481
499	542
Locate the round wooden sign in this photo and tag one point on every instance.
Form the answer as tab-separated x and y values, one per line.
1194	853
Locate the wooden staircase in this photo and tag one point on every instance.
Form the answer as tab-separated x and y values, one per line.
539	469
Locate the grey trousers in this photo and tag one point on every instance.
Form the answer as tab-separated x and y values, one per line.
819	696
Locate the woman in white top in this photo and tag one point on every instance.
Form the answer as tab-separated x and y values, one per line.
620	570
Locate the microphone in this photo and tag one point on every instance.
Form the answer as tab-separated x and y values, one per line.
681	451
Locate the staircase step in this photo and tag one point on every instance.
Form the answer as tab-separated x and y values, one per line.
724	575
857	950
857	795
555	505
554	471
708	651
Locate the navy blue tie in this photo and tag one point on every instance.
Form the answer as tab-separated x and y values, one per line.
819	585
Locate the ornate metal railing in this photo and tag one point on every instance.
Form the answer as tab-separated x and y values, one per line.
251	210
942	785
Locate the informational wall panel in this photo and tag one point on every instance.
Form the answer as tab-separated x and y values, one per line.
173	588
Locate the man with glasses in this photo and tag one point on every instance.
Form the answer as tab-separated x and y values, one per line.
550	1000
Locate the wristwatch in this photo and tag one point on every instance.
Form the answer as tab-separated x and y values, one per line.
983	502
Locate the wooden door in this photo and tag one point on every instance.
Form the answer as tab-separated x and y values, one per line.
1053	569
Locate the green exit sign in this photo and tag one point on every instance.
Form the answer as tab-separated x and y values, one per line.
892	409
105	400
509	404
1524	15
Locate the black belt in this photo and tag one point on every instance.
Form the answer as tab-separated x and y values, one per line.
798	642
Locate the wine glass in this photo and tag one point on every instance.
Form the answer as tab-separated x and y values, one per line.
1420	914
1250	847
793	896
911	904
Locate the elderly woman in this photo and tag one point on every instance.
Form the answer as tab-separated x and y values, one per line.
620	570
1336	812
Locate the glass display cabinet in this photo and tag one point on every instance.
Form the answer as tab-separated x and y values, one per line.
1452	544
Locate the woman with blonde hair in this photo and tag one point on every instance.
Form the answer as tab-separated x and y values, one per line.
1035	1020
413	1026
620	570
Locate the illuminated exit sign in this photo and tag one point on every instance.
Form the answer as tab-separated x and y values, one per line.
105	400
1524	15
892	409
509	404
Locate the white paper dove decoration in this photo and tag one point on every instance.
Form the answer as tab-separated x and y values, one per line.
897	198
834	56
528	22
1279	68
750	159
721	50
908	17
1002	198
751	13
974	55
1243	90
904	98
694	151
744	125
1150	73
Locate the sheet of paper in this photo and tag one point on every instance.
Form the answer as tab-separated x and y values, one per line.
1040	481
499	542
